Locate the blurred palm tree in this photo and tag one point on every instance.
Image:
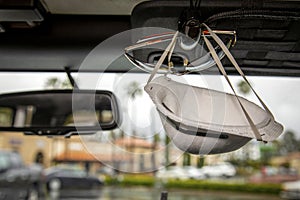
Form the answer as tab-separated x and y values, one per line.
290	143
243	87
167	151
186	159
56	83
133	90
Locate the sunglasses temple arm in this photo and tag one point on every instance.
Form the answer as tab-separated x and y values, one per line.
144	44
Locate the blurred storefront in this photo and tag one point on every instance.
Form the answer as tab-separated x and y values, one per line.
33	149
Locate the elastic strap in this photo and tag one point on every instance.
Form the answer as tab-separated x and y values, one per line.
237	67
169	50
221	68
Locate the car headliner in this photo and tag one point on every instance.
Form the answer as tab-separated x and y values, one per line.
74	27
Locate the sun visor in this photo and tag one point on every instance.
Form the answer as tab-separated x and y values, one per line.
267	31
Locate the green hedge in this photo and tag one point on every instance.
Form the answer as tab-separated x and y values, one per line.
239	187
132	180
150	181
138	180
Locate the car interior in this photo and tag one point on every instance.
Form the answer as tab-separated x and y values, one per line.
102	53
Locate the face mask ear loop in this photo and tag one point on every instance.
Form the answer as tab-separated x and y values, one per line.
221	68
237	67
169	48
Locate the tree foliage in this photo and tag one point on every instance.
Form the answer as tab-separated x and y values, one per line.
56	83
243	87
290	143
133	90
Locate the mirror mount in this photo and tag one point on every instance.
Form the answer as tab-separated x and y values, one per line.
71	79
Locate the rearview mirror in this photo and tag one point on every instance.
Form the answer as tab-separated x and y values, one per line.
59	112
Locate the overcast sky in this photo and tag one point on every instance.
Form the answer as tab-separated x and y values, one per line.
280	94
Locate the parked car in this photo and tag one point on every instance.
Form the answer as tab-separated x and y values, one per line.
271	174
180	173
194	173
219	170
172	172
18	181
70	178
106	171
291	190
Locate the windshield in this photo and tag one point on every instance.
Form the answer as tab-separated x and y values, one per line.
138	152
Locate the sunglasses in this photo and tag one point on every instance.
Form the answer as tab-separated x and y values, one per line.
176	63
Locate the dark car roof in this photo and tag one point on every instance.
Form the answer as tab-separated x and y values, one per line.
268	41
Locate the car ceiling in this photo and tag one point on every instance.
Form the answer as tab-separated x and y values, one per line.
91	7
70	29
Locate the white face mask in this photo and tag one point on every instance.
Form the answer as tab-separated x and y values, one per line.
189	117
187	113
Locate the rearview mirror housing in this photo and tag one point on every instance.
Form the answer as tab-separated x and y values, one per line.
59	112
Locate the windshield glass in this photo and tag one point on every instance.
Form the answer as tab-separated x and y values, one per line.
138	151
